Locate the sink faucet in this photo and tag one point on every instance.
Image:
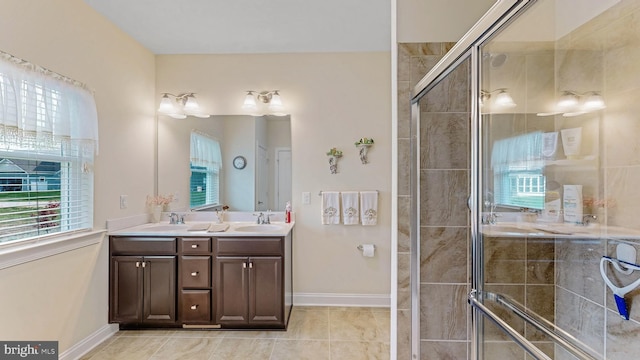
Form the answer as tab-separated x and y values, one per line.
587	219
175	218
491	217
260	218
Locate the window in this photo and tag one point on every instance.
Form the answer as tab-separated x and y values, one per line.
48	136
206	161
518	175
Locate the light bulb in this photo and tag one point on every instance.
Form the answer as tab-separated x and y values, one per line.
191	105
503	99
275	105
249	102
594	102
567	100
166	105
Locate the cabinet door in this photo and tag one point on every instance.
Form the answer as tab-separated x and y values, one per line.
231	293
160	289
265	291
126	289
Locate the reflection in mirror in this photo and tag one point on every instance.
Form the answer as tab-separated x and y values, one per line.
196	161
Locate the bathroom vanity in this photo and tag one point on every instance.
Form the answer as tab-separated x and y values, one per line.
169	276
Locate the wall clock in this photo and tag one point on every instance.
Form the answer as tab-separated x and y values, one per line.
239	162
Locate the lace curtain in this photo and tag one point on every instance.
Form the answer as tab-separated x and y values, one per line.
43	111
205	152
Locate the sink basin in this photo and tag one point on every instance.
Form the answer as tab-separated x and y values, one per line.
165	227
258	228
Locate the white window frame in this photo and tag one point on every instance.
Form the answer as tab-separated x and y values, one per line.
45	116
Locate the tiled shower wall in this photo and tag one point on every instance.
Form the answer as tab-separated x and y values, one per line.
444	152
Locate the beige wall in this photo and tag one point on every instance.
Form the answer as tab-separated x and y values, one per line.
334	99
64	297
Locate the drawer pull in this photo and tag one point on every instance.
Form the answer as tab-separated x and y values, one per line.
194	246
195	273
194	307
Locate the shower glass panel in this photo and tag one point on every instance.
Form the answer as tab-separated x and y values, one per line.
559	171
553	173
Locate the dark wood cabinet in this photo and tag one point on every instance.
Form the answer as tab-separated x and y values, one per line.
143	289
228	282
266	291
250	291
249	278
195	273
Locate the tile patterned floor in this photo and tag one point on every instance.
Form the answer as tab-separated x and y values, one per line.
314	333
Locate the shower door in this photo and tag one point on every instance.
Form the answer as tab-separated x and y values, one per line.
553	200
556	170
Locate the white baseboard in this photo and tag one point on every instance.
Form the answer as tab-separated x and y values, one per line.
88	343
328	299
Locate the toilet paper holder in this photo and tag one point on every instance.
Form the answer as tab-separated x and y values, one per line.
361	247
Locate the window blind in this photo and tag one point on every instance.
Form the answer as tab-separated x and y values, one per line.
206	162
48	137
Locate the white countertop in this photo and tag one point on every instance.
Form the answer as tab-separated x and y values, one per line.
560	230
196	228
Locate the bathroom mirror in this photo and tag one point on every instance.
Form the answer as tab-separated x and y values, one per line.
263	143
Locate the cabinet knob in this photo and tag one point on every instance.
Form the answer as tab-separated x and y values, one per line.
194	246
137	264
194	307
250	265
195	273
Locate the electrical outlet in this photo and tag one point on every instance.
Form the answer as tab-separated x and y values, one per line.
306	198
123	201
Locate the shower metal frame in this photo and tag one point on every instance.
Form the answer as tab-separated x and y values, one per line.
502	12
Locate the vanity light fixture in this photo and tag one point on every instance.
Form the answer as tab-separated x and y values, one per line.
572	103
567	100
270	97
593	101
503	99
181	106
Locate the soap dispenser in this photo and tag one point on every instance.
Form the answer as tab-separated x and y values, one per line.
287	212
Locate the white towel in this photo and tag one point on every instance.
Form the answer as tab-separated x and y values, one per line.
369	207
330	208
350	208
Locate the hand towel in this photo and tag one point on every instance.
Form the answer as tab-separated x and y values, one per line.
330	208
350	208
218	228
369	207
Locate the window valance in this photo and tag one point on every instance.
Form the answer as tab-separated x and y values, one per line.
39	107
205	151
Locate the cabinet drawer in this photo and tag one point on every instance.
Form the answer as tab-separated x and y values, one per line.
196	306
249	246
143	245
195	245
195	271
